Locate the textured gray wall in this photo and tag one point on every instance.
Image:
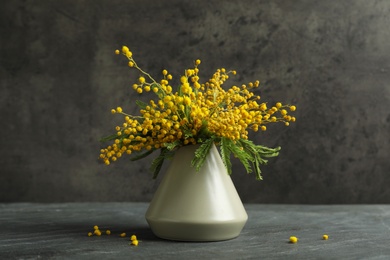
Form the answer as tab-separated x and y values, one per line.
59	79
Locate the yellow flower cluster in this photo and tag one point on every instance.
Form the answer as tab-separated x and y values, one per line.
195	112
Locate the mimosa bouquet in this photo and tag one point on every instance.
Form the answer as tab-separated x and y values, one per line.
195	113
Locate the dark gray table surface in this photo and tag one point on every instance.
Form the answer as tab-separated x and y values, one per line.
59	231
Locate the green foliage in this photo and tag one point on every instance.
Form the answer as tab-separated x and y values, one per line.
108	138
228	146
187	133
201	153
204	133
159	161
141	104
257	154
172	146
250	155
225	155
141	155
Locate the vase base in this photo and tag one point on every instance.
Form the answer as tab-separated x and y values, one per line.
196	232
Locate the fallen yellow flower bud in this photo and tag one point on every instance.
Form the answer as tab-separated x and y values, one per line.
293	239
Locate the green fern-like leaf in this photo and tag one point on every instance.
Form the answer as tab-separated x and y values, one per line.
268	152
159	161
241	154
201	154
141	155
204	134
258	153
187	133
109	138
172	146
225	154
141	104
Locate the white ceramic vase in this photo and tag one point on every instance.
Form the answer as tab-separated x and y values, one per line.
196	206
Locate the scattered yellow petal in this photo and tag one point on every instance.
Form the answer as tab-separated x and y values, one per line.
325	237
123	234
90	234
108	232
95	227
134	242
293	239
133	237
